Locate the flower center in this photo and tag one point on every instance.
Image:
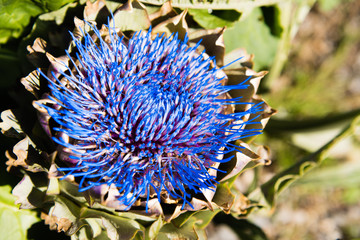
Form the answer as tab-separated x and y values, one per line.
153	118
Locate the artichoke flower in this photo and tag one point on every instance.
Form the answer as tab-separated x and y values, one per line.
137	125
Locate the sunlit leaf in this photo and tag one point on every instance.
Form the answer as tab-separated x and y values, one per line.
131	16
253	35
51	5
14	222
15	15
13	18
215	18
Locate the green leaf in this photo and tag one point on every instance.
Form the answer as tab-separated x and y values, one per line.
28	195
14	223
51	5
241	5
169	231
121	228
288	16
201	234
203	218
97	209
253	35
190	225
181	220
223	197
279	182
344	175
95	226
57	15
217	18
153	230
68	210
117	226
71	190
15	16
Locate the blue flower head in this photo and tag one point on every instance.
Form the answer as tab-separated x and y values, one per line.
146	114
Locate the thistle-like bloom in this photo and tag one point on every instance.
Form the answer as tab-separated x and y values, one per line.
149	115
